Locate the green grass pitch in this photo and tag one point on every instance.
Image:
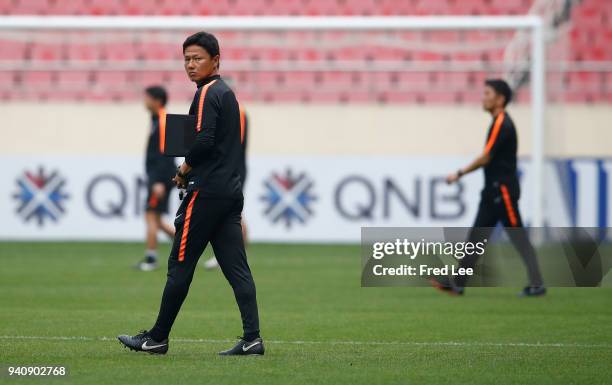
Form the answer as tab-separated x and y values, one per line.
64	303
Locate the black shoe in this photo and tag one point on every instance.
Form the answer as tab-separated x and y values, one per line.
143	342
245	348
446	287
533	291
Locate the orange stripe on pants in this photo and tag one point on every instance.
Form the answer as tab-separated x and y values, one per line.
181	255
508	204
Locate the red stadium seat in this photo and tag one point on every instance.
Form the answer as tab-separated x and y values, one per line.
83	52
37	79
12	49
111	79
8	78
47	52
73	79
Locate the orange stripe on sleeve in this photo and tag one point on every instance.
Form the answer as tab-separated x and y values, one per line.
508	204
494	132
162	130
201	104
181	255
242	123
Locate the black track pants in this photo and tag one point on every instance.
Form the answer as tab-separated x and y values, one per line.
497	205
200	220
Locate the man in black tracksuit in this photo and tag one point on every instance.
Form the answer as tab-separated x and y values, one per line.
501	192
160	170
211	210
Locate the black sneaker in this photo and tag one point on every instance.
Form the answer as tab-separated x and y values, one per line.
533	291
446	287
143	342
245	348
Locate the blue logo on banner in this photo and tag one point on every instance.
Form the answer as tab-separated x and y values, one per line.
569	175
40	196
288	197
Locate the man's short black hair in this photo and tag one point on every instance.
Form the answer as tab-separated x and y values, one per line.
206	40
158	93
501	88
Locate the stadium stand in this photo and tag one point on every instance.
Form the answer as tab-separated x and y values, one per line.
62	67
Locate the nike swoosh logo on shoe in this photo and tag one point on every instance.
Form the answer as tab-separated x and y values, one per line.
245	347
147	347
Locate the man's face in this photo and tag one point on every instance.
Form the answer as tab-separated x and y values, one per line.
151	104
198	63
491	100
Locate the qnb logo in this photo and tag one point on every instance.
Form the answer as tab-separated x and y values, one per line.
40	196
288	197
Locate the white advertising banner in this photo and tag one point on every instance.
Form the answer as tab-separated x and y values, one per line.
287	198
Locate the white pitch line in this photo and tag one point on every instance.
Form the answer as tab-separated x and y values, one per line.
384	343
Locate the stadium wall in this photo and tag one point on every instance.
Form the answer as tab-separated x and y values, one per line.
66	128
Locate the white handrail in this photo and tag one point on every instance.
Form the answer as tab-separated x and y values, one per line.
270	22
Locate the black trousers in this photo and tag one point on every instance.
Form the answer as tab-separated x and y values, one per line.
200	220
498	203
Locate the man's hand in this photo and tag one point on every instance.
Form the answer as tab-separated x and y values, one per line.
159	190
179	179
184	168
452	178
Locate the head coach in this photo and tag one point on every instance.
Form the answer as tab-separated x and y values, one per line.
211	210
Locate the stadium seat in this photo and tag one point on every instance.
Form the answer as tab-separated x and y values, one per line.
73	79
12	49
